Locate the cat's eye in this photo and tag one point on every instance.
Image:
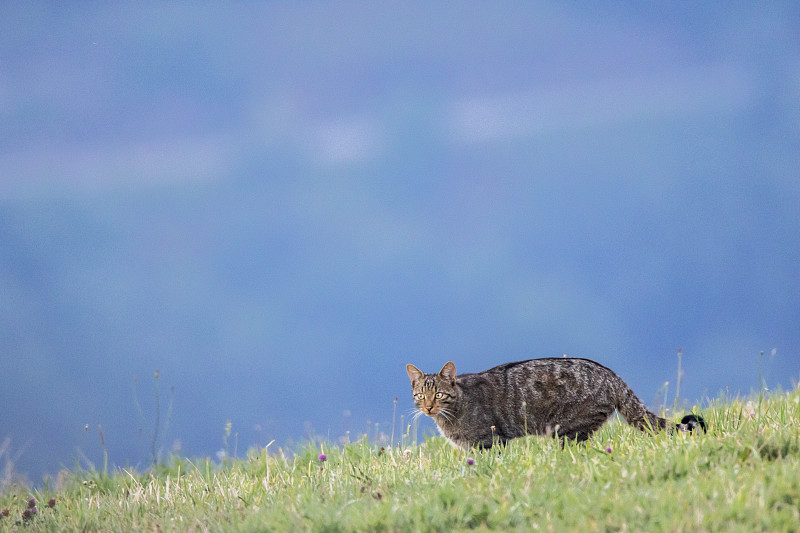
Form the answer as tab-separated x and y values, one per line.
420	396
439	395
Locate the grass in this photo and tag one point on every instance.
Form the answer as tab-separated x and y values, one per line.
744	475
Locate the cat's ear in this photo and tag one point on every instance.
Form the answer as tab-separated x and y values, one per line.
414	373
448	372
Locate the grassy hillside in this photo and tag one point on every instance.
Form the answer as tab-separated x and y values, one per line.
744	475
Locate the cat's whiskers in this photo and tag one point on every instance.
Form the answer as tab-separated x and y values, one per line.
446	414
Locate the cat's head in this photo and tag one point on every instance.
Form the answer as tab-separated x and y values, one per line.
434	393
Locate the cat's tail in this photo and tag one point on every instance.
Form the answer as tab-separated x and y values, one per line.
691	422
637	415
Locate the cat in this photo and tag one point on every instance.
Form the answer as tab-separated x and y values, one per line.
569	398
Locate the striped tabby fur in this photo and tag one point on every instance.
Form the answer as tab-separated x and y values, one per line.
566	397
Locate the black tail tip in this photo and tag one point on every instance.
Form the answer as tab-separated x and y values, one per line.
693	421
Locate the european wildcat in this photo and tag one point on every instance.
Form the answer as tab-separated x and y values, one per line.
566	397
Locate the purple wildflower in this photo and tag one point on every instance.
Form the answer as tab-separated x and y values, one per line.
51	502
26	514
470	461
31	503
323	457
608	449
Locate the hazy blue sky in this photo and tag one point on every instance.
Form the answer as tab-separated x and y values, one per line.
279	205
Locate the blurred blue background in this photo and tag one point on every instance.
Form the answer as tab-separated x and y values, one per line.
279	205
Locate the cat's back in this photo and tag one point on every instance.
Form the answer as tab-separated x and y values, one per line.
546	369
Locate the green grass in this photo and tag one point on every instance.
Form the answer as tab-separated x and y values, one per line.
744	475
